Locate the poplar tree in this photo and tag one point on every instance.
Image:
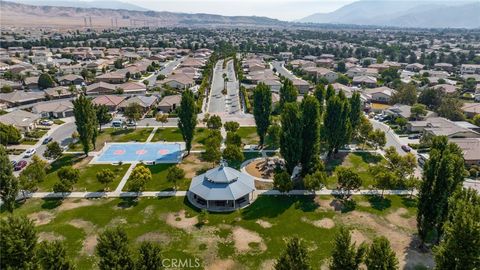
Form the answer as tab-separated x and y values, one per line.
288	93
355	111
336	131
262	108
291	136
9	185
53	255
459	248
187	118
380	255
320	94
345	256
86	122
443	172
295	256
150	257
18	240
310	133
113	251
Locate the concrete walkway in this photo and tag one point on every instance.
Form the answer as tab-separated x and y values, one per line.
272	192
125	178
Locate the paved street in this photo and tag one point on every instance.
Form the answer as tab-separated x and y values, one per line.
217	99
280	68
166	70
392	138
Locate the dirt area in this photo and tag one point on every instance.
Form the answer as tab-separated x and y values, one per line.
244	237
358	237
263	185
397	218
87	226
223	265
41	218
179	220
192	164
327	205
325	223
72	204
117	222
268	265
258	169
402	242
149	210
49	236
264	224
89	244
154	237
82	163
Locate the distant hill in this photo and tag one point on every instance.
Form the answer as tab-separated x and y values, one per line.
69	17
425	14
109	4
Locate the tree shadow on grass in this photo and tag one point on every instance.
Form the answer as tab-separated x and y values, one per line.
334	161
368	157
127	202
409	202
50	204
273	206
379	203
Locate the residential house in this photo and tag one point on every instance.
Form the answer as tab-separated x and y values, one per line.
169	103
439	126
415	67
470	69
111	101
71	69
470	148
366	81
131	87
320	72
22	120
114	77
381	94
145	102
404	111
101	88
286	56
14	85
358	71
71	79
58	92
56	109
471	109
302	86
17	98
443	66
179	81
31	82
446	88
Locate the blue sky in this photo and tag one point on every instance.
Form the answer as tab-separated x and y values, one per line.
279	9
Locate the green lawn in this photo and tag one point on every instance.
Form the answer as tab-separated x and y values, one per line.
201	134
358	161
117	135
169	134
159	179
88	174
146	219
248	135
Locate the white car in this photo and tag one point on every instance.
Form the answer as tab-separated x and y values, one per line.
46	122
30	152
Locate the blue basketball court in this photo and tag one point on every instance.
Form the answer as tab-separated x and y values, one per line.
140	152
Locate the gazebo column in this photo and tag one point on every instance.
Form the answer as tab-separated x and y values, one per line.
234	204
207	205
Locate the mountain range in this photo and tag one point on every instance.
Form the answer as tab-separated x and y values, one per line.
423	14
106	13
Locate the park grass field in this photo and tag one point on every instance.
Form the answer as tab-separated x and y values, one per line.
249	135
88	173
169	134
251	238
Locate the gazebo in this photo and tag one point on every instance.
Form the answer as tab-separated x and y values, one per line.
221	189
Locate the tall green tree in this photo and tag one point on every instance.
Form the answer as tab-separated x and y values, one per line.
345	256
262	108
214	122
443	173
336	131
53	150
150	257
9	134
140	176
273	135
282	182
175	174
310	133
53	255
348	180
103	115
288	93
320	94
380	255
459	247
295	256
405	94
187	118
105	177
18	240
356	114
33	174
291	137
9	185
133	112
86	122
330	92
45	81
113	251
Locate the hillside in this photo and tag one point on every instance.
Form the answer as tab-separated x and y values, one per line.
426	14
110	4
68	17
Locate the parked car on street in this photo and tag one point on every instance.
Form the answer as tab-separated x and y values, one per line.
406	148
20	165
47	140
414	136
13	163
30	152
46	122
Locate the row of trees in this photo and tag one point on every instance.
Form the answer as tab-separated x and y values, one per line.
21	250
345	255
